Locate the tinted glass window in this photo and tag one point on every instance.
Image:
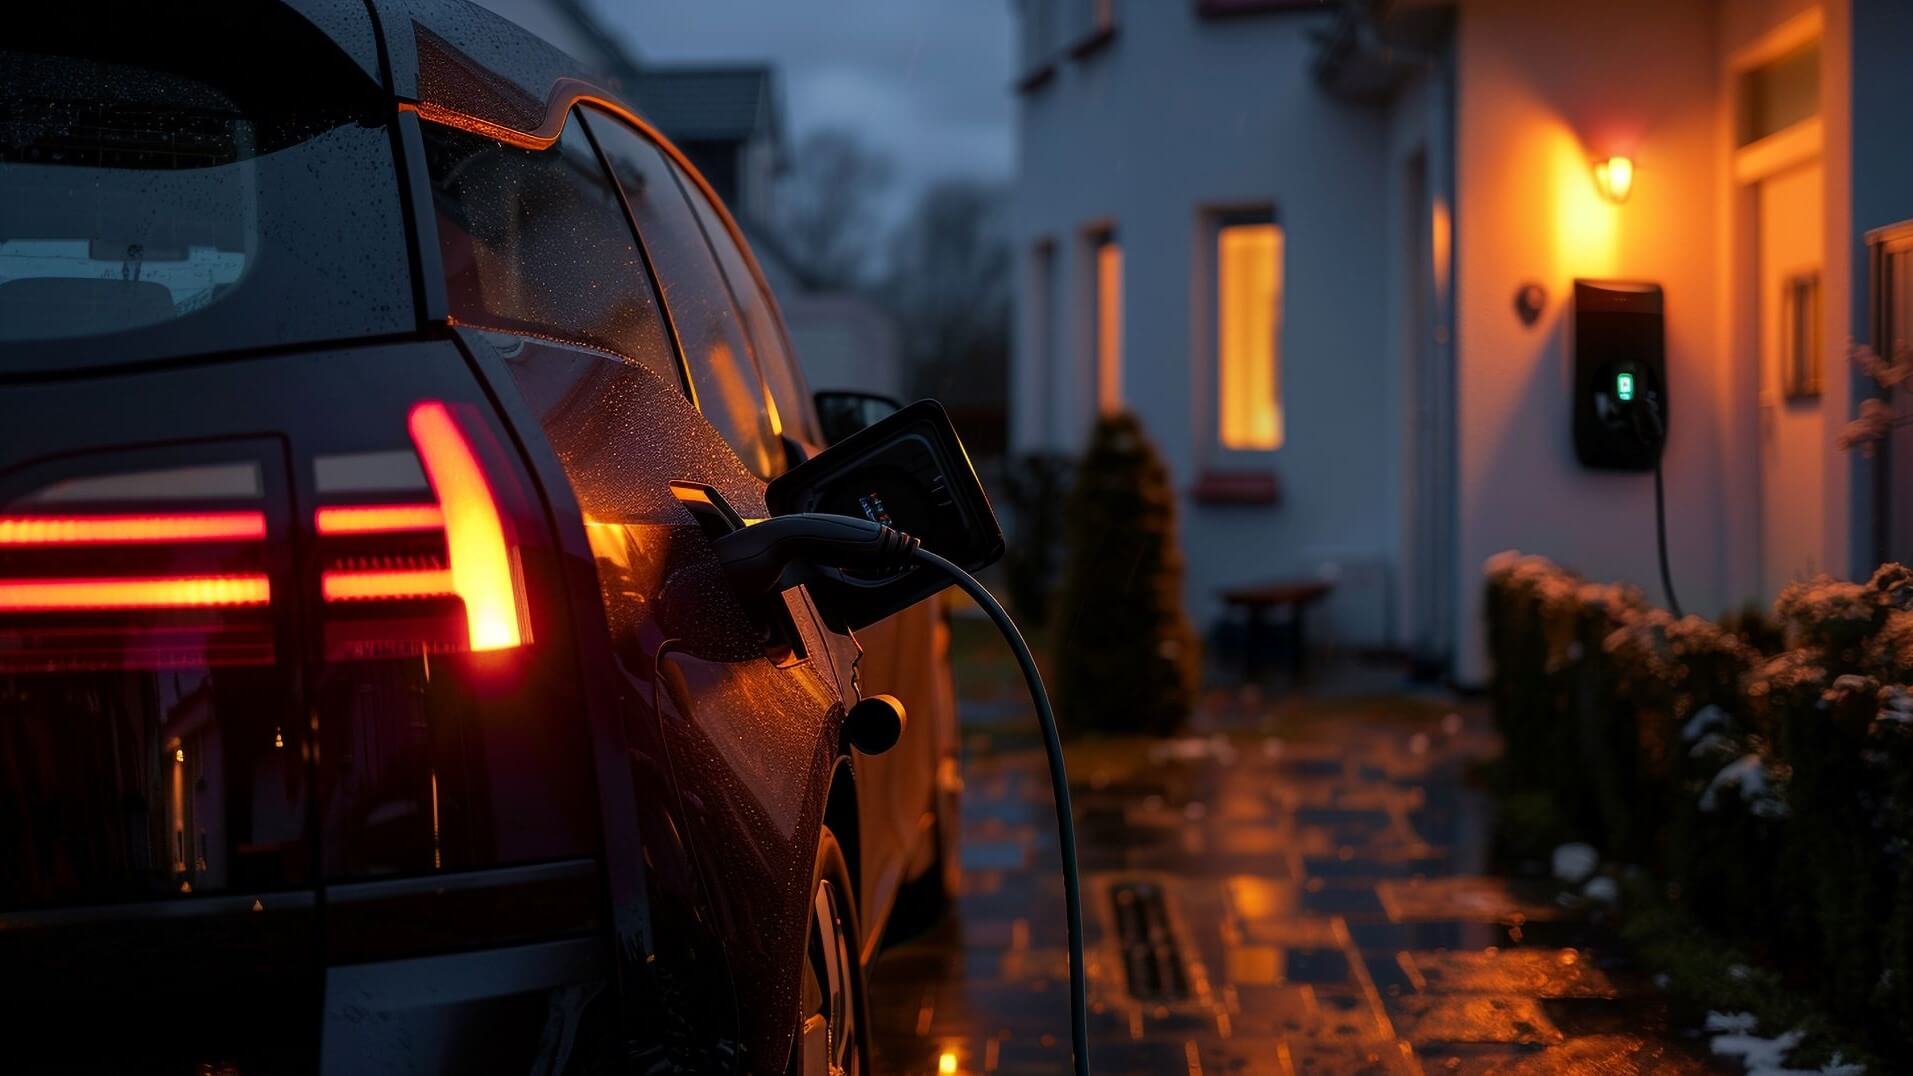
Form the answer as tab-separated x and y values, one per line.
789	394
163	193
709	325
536	241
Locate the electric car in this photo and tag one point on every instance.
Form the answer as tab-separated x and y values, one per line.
373	386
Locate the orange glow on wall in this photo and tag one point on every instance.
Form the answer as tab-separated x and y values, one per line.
483	569
346	586
1586	225
379	519
160	592
1248	333
1109	325
132	529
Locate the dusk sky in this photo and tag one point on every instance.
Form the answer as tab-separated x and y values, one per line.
925	81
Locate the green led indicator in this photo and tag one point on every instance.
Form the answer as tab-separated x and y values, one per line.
1624	386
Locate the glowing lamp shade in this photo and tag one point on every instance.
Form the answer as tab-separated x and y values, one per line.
482	567
1615	178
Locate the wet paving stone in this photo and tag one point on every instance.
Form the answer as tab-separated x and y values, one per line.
1471	897
1326	896
1542	973
1469	1018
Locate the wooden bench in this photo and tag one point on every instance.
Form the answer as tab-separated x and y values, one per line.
1256	602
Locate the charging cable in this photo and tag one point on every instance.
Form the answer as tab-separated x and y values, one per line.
755	559
1653	413
1059	788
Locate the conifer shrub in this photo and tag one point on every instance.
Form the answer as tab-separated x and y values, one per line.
1127	658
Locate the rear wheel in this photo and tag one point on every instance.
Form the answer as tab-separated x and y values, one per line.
831	1039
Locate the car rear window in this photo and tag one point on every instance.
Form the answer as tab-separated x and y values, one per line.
164	192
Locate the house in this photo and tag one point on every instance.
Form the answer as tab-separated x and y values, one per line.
1327	252
727	119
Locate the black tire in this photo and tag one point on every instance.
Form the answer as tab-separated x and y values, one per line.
832	1025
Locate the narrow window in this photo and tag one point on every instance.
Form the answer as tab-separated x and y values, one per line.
1109	322
1248	333
1800	336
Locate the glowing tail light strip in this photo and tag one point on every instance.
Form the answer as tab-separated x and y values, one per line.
482	568
483	572
161	592
132	529
347	586
380	519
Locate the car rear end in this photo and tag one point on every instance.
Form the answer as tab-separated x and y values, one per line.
292	755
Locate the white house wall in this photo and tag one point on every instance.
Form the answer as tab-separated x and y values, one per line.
1542	91
1176	115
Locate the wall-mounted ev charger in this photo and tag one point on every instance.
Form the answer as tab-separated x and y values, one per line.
1618	333
1619	337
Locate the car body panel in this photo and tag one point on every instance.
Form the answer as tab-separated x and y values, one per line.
709	736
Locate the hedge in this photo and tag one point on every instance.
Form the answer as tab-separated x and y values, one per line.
1760	767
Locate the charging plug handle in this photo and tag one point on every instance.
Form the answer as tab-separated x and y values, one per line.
756	557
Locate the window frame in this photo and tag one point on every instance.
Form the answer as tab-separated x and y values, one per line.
1216	223
707	207
1206	332
681	170
1040	337
568	330
1105	369
1801	359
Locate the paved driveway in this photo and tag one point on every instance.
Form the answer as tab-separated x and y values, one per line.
1308	901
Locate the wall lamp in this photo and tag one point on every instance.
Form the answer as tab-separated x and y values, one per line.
1614	178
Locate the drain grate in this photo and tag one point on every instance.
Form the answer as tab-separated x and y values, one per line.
1152	961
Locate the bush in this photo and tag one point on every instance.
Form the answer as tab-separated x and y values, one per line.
1761	768
1127	659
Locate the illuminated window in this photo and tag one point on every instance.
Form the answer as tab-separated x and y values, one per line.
1109	323
1248	334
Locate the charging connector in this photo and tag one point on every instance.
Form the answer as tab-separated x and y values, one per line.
756	557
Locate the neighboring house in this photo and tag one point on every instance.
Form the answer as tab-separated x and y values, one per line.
727	120
1291	236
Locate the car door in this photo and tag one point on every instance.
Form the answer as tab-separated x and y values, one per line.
555	300
733	714
904	655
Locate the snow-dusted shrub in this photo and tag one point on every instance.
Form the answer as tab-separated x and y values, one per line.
1771	785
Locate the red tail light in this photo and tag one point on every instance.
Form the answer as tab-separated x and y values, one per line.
163	592
418	557
130	529
133	590
380	519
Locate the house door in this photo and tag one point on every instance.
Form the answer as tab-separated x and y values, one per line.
1793	437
